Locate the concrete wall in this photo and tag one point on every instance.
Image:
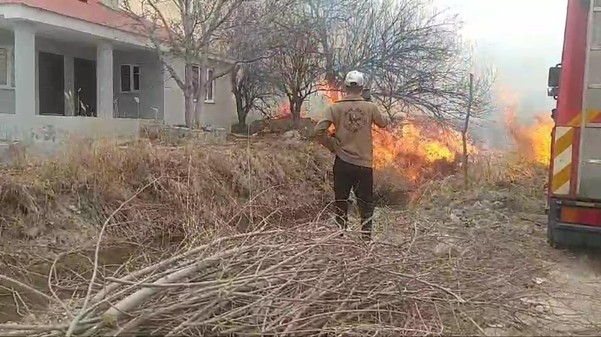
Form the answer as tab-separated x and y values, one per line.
52	129
221	113
46	136
152	82
174	97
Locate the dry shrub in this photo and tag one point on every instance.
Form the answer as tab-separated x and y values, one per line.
397	185
500	168
181	190
520	181
488	236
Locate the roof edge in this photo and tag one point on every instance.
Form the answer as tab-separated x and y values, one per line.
18	11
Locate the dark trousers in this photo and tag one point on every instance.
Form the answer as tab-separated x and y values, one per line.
361	180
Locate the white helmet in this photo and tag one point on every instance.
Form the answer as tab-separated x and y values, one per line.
354	78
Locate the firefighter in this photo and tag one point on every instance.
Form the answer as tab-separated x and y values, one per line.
352	117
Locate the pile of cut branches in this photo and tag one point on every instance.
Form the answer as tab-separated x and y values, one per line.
302	281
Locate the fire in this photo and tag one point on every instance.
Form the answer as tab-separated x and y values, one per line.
531	141
328	91
282	111
418	149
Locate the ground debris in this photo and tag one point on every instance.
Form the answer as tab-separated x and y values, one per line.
305	279
447	261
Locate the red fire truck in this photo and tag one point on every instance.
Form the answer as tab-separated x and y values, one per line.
574	189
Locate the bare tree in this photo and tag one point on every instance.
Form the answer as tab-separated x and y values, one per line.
330	18
413	55
252	45
187	30
254	90
464	133
298	62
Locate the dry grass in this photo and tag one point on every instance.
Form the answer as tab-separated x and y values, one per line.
522	180
187	190
259	256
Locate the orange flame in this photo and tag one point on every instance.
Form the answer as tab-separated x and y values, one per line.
416	149
282	111
419	150
532	142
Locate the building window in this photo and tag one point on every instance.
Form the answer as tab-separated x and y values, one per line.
7	74
195	80
210	88
130	78
210	92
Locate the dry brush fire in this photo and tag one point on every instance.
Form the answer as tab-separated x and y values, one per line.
531	141
421	149
418	148
425	150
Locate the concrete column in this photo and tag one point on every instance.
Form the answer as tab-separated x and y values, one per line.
25	65
104	80
70	85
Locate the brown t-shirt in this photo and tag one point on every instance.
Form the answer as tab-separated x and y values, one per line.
352	117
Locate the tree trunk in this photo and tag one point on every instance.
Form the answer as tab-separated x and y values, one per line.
199	97
202	85
241	111
295	111
189	96
464	132
188	26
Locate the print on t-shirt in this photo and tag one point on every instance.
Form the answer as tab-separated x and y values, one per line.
354	120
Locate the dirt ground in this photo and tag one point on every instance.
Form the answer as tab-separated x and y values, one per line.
572	305
565	292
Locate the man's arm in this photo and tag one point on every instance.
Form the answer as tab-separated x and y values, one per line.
321	132
378	118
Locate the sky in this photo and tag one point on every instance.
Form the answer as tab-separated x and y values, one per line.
521	39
